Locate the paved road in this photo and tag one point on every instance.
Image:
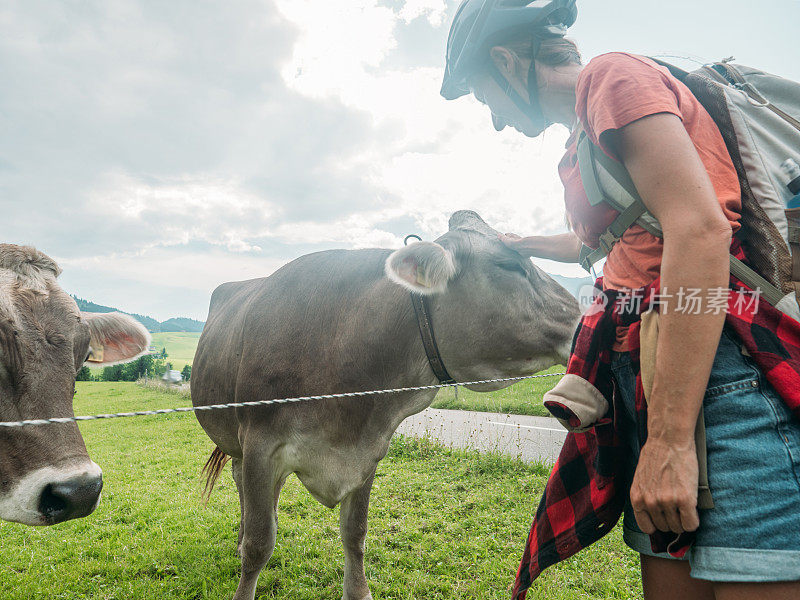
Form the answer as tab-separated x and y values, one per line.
529	438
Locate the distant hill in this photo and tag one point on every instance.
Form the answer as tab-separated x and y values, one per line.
181	324
152	325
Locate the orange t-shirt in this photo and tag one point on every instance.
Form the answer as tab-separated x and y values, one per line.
614	90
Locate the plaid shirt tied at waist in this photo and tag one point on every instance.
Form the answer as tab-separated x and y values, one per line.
588	486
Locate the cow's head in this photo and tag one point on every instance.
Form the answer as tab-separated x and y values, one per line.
46	475
495	313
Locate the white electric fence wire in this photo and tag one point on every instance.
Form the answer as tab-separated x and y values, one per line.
182	409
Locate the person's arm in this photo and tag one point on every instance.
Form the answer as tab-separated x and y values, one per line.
675	187
564	247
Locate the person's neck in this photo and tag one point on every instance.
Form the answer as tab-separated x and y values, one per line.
560	108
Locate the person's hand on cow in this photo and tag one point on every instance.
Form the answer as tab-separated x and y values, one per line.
562	247
516	242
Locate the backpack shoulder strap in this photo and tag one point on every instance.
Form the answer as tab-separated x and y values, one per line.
589	157
611	235
632	208
629	204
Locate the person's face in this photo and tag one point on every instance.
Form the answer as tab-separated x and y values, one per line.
504	112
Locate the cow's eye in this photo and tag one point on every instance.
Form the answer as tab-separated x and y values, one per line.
56	339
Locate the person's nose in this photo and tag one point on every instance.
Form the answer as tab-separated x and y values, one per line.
498	122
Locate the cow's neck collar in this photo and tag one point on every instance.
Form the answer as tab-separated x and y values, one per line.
423	313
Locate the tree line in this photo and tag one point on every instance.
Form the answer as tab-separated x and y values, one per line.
150	365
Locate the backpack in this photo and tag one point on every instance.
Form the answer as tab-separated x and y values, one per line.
758	115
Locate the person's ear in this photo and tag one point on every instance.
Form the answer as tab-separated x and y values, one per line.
504	60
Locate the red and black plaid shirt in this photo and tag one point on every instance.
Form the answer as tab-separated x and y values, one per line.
588	486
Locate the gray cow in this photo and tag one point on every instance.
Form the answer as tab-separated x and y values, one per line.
338	321
46	475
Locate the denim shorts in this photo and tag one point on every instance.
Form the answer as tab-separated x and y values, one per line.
753	532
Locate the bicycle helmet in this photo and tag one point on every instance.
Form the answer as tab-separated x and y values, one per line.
480	24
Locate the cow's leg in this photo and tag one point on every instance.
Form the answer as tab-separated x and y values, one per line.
353	528
259	479
236	468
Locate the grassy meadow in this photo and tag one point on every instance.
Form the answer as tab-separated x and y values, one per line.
180	347
443	524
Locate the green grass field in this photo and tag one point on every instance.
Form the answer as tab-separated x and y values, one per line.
180	347
443	524
523	398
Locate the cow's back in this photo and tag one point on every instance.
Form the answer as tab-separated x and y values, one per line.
300	331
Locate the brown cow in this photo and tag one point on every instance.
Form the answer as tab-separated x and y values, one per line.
342	321
46	475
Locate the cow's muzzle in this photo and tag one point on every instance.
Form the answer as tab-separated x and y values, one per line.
70	499
51	495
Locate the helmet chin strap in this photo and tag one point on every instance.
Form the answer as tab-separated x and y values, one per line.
532	108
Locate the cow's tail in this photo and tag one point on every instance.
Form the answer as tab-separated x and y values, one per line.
212	469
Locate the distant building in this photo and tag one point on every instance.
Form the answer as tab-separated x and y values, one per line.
172	376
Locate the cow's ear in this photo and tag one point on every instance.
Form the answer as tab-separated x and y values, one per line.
422	267
115	338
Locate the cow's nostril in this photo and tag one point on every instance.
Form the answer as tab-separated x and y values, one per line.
51	504
70	499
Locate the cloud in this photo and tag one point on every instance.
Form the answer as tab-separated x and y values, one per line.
162	279
177	211
167	147
442	156
433	10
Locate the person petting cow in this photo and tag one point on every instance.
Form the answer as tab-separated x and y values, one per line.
739	536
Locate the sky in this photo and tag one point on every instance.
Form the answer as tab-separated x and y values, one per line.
158	149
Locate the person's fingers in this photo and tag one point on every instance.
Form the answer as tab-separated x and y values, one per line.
690	519
509	238
647	510
673	518
644	521
658	519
